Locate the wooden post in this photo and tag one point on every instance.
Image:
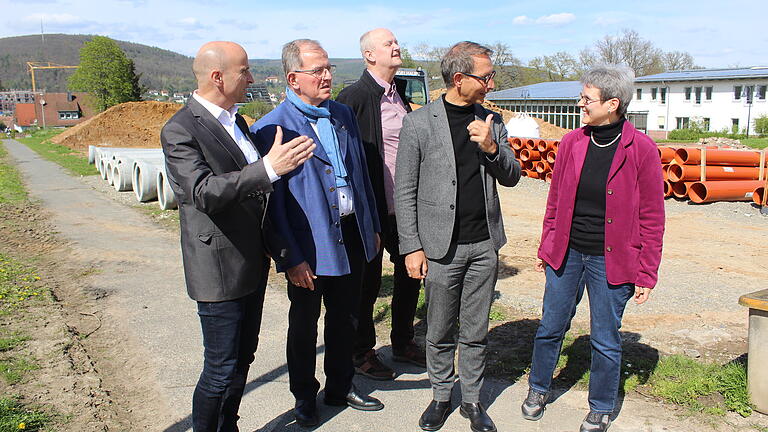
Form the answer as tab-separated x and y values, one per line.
764	177
703	164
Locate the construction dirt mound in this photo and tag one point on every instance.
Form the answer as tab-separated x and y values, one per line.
130	124
546	130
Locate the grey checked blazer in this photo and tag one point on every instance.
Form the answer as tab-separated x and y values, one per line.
425	180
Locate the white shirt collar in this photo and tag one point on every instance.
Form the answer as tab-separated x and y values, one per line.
216	111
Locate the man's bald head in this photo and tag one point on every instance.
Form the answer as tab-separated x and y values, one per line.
217	55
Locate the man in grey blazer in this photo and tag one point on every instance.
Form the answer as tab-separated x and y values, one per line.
451	155
222	183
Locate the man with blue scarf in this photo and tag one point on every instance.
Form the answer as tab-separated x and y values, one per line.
326	229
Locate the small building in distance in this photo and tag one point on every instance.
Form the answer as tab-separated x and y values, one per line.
257	92
9	99
271	80
553	102
53	110
717	99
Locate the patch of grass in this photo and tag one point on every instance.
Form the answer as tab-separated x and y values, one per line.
11	187
12	341
703	387
19	284
69	159
15	417
497	313
758	143
13	370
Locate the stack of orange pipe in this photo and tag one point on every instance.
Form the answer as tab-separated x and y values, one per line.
536	156
730	175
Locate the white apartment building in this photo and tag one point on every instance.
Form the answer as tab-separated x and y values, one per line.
720	99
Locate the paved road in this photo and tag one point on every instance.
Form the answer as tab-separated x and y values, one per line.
140	268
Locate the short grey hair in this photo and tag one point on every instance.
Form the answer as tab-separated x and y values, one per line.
613	81
292	53
366	42
458	59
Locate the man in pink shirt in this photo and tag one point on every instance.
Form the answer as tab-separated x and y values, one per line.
380	104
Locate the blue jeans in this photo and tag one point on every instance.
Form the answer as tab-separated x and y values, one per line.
230	336
564	289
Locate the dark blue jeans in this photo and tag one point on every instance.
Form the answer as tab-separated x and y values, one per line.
230	337
564	289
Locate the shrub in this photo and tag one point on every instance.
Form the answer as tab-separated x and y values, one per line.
761	124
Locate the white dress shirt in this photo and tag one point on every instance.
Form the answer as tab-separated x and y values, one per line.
227	120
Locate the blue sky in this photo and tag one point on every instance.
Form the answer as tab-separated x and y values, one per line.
716	33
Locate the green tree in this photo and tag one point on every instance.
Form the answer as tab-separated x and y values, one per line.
255	109
761	124
408	61
106	73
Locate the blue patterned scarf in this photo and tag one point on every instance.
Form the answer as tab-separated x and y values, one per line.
321	116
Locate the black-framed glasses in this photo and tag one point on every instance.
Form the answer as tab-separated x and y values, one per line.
587	100
485	79
319	72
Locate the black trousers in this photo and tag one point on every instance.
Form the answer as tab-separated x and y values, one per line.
340	295
405	296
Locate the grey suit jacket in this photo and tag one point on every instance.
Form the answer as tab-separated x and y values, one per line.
221	205
425	180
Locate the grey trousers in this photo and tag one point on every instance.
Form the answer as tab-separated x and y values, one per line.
459	291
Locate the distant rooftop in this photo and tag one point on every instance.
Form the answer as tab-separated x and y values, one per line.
707	74
546	90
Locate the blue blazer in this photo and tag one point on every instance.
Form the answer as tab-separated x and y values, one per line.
303	208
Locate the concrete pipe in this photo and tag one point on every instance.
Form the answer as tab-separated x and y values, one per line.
759	196
711	191
91	154
667	154
693	173
691	156
530	155
122	170
108	168
144	179
165	197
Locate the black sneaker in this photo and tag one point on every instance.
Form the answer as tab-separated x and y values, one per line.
534	404
595	422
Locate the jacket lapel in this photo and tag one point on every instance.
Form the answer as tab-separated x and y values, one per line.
212	125
579	152
442	130
307	130
627	138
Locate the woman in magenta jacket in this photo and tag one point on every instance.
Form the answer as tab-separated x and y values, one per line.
602	230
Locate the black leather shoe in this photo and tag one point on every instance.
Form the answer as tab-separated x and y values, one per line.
355	400
478	418
434	416
306	414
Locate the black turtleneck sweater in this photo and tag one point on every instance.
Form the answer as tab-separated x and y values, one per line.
588	227
470	225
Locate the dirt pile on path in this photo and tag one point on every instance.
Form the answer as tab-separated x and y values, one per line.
546	130
130	124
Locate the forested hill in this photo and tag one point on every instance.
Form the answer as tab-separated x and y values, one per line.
159	68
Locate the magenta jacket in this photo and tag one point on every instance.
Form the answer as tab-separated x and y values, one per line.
634	206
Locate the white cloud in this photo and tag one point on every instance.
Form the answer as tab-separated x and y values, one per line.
554	19
64	18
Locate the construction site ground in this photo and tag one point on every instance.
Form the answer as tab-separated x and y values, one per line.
117	277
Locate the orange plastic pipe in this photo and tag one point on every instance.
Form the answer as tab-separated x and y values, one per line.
665	172
544	145
542	167
758	195
692	173
548	177
667	154
516	143
718	157
528	165
529	155
551	156
681	189
530	144
667	189
711	191
532	174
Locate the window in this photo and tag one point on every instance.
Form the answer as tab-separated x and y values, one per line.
683	122
663	95
761	90
653	93
736	92
706	122
697	91
735	125
662	121
687	93
640	94
708	93
750	91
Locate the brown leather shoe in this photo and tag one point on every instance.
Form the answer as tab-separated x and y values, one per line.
370	366
410	353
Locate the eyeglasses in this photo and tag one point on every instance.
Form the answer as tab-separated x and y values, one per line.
587	100
319	72
485	79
